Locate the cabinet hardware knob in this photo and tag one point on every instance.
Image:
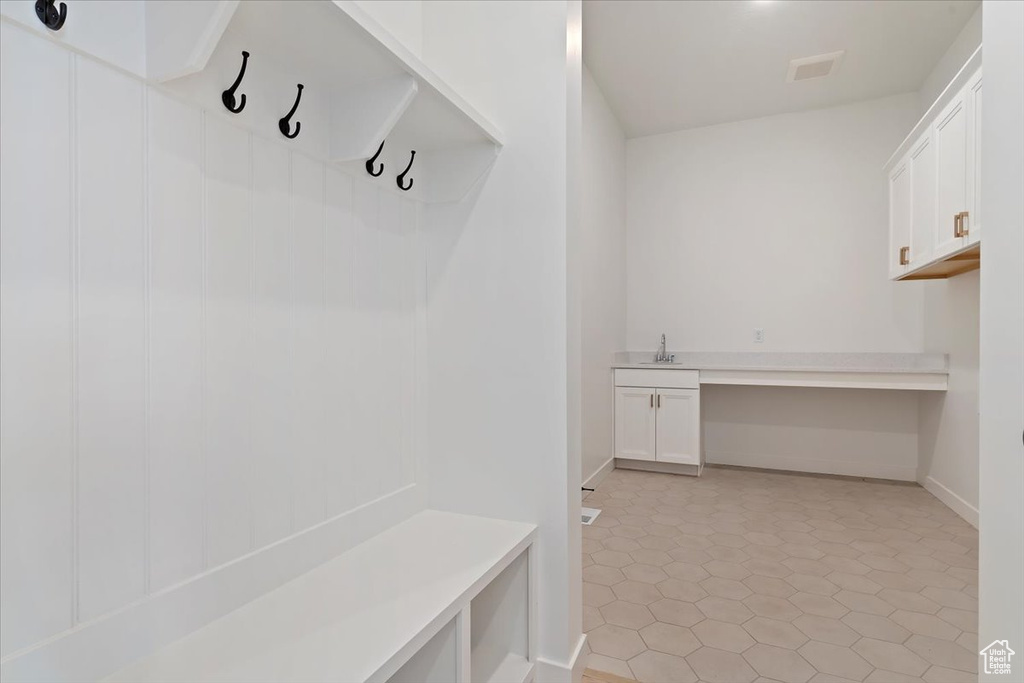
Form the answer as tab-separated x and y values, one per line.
904	255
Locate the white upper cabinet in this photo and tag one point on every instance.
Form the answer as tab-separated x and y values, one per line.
899	219
951	163
973	222
922	199
934	180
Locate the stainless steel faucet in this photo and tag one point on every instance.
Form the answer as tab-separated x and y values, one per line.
663	356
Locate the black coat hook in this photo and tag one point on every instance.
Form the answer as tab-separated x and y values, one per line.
51	17
228	96
369	162
285	123
401	176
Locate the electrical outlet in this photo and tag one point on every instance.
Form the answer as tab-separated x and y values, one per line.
758	335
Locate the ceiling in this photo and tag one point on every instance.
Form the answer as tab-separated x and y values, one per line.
667	66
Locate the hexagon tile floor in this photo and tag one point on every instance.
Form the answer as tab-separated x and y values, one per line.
745	575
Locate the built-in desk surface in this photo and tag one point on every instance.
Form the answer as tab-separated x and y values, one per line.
908	371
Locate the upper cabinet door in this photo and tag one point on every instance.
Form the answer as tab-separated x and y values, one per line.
899	219
935	202
974	213
634	423
952	163
922	179
678	426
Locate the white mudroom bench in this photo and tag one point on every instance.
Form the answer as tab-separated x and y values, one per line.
433	598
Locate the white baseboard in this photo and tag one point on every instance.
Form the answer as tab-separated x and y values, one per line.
548	671
849	468
597	477
662	467
97	648
952	500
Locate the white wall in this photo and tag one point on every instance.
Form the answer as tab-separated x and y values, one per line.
856	433
1001	599
962	47
193	325
497	308
90	31
778	223
402	18
604	271
948	426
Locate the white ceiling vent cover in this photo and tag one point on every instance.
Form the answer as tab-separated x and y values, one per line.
818	66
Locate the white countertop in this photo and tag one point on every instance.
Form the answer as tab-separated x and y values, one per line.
902	363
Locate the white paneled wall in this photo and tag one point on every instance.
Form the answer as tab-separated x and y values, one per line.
176	520
37	439
109	289
208	340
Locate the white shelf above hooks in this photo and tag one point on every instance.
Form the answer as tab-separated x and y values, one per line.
363	86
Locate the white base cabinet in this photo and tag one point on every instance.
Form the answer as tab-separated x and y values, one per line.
657	416
677	427
635	423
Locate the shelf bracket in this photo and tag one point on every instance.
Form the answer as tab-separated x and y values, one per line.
181	36
363	116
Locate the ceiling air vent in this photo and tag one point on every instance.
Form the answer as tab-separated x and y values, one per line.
818	66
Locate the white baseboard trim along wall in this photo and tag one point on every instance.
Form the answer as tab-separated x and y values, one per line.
597	477
564	672
849	468
952	500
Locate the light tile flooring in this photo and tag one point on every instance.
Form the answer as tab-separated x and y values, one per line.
746	575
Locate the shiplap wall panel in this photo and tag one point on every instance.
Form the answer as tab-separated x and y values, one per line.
272	430
213	312
309	451
392	248
229	323
410	275
342	359
36	546
111	355
175	341
370	407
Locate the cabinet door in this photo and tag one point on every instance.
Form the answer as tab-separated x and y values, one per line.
973	222
899	218
951	164
678	425
634	423
922	202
